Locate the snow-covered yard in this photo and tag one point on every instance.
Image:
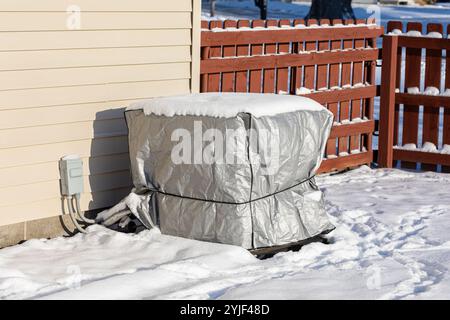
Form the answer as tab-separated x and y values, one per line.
391	242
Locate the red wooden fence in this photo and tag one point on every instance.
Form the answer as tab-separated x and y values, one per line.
331	62
424	118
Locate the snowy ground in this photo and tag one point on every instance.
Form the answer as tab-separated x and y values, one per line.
391	242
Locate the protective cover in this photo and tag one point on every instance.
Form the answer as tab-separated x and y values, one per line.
258	191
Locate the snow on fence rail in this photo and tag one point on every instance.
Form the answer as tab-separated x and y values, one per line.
330	62
417	101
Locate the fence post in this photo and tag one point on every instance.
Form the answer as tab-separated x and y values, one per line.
387	102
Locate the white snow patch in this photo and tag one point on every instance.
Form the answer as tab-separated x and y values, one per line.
392	243
314	195
436	35
348	121
426	147
413	90
108	264
407	146
226	104
414	33
445	149
287	27
71	157
429	147
446	93
431	91
302	91
395	32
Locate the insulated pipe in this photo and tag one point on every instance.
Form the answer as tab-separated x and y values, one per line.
72	215
81	215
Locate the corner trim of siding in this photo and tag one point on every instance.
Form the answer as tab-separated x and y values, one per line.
196	28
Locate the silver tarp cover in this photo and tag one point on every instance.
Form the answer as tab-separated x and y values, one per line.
260	198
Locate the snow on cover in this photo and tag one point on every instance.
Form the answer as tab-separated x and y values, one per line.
226	104
426	147
391	242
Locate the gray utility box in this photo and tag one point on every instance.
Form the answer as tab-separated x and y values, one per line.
71	171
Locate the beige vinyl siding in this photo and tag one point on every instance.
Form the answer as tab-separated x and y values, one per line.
56	21
33	210
44	78
48	171
98	5
14	157
64	92
46	59
53	96
77	39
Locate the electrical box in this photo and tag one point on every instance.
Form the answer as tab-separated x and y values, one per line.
71	171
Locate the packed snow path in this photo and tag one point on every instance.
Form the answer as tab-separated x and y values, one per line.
391	242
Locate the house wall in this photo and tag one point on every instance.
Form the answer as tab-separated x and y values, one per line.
63	91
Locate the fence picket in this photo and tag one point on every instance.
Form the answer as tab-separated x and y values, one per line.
255	50
334	74
446	122
413	60
309	72
282	73
229	51
432	78
297	71
269	74
344	112
392	25
387	102
357	78
370	77
322	70
242	50
214	52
